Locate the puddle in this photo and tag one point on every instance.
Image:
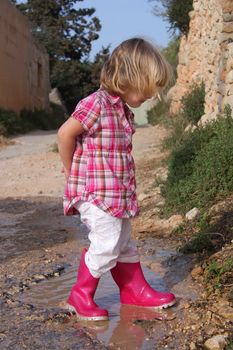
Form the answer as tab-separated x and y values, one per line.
124	330
25	224
120	331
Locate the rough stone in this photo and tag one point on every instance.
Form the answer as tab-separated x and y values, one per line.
228	100
230	90
206	118
197	271
175	220
226	312
227	6
228	27
192	214
190	127
218	342
141	197
228	17
229	77
206	54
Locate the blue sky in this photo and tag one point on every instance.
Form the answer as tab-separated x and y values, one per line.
122	19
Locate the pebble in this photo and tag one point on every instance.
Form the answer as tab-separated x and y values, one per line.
39	278
227	313
210	329
192	214
184	304
218	342
194	327
197	271
142	196
192	346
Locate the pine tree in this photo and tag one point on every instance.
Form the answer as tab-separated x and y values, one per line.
67	32
175	12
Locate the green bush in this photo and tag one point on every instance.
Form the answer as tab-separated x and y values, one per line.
40	119
159	113
215	271
201	167
193	104
192	107
200	242
177	125
171	53
11	124
176	12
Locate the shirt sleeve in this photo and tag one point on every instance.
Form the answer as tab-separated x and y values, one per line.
87	112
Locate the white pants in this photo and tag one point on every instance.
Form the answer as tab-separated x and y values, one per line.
110	239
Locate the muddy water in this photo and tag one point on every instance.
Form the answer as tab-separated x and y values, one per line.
123	330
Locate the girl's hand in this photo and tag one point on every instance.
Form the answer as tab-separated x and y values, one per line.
67	138
65	172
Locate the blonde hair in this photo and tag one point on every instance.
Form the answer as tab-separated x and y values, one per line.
135	64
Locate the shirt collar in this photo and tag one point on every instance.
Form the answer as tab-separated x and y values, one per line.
112	99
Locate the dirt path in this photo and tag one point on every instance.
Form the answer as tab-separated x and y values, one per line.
31	168
38	242
40	249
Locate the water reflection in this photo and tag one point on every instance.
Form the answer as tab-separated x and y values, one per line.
120	331
126	334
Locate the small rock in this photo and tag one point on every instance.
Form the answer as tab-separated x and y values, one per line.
210	329
226	312
194	327
141	197
160	203
192	346
192	214
175	220
218	342
188	127
208	316
184	304
39	278
197	271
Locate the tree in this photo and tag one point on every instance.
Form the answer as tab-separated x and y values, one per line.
67	32
77	79
175	12
171	53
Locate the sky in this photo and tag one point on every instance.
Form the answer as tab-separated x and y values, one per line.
122	19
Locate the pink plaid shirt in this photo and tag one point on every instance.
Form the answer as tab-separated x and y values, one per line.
103	170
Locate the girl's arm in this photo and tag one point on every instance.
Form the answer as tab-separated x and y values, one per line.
67	135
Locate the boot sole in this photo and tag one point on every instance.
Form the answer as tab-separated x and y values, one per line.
159	307
85	318
165	306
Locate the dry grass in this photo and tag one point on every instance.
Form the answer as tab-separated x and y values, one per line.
4	141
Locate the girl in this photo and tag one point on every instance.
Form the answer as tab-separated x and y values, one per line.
95	146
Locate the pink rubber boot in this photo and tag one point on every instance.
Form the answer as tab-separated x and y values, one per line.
81	297
134	289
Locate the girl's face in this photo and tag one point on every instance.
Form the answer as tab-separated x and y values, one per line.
134	99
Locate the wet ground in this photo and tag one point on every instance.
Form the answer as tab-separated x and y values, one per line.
40	250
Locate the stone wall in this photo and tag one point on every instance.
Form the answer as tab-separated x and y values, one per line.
24	64
206	54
